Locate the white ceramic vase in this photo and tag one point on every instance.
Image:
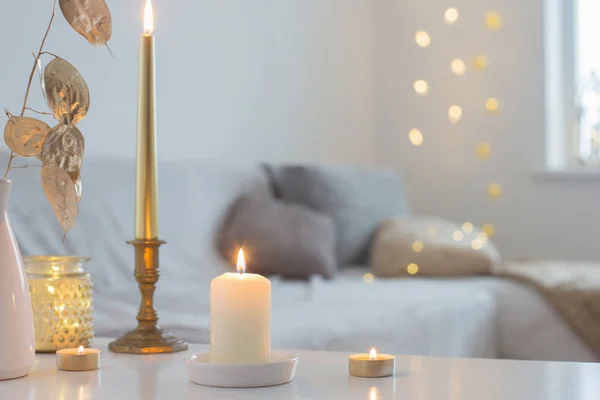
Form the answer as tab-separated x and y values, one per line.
17	351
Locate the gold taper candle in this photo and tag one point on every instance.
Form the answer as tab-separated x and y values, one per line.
147	337
146	184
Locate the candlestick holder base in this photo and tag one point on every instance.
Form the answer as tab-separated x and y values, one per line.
148	337
154	342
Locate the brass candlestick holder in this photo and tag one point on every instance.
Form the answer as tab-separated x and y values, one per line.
148	337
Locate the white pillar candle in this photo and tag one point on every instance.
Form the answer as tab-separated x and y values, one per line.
240	317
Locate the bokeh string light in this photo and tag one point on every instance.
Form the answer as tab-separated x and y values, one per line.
422	38
467	227
432	231
458	235
415	136
421	87
481	62
458	67
483	150
492	104
476	244
454	114
412	268
494	190
488	229
451	16
493	21
417	246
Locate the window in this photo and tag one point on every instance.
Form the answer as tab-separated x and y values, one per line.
587	79
572	82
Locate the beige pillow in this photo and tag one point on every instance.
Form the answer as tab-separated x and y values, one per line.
430	246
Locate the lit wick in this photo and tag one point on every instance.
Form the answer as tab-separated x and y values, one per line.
373	354
241	262
80	350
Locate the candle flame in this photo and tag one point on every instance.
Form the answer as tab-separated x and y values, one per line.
80	350
241	262
373	354
148	18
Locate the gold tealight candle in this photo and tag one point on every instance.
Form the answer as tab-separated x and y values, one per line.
80	359
372	365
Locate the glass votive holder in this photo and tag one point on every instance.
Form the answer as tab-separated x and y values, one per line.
62	301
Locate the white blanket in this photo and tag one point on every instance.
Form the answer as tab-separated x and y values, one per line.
467	317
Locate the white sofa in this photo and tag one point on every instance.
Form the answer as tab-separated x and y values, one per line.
466	317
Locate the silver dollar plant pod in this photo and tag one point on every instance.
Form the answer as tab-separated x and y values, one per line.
64	147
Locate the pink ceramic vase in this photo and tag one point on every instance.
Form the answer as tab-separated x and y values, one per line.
17	346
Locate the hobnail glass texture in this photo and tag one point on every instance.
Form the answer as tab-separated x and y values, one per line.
62	301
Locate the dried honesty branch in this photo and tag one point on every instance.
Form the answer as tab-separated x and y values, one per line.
60	192
64	147
78	188
90	18
61	148
37	111
67	93
25	136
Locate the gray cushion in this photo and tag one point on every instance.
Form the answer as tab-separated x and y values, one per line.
358	200
280	239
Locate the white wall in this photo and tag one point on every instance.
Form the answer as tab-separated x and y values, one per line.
536	218
262	79
331	80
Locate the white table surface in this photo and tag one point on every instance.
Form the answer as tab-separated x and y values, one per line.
320	375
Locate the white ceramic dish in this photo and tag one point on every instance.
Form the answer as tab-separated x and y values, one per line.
280	370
